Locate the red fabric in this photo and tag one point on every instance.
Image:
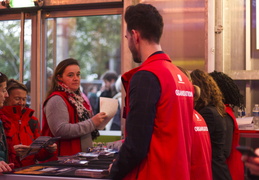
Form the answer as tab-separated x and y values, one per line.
235	165
18	131
126	77
66	147
169	154
201	150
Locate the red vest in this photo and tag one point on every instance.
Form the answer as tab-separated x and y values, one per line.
235	165
201	150
66	147
169	154
18	131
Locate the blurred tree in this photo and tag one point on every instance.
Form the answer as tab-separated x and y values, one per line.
97	41
10	49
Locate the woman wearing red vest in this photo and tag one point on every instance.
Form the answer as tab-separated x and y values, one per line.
201	148
232	98
67	114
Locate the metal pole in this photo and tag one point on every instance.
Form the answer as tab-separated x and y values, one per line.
21	67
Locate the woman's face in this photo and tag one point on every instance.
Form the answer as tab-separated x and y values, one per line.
3	93
71	77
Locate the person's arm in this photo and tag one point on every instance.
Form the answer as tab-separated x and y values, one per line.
58	120
229	135
252	163
144	94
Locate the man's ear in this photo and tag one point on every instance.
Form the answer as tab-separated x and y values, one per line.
135	35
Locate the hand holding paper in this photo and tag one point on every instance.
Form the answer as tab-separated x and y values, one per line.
110	107
21	150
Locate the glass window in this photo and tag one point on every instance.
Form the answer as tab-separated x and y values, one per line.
10	48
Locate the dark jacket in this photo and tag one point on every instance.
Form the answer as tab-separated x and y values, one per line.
3	145
217	130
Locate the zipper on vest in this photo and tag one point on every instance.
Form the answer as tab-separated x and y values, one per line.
20	123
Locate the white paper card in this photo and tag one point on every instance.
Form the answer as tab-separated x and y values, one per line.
244	120
110	107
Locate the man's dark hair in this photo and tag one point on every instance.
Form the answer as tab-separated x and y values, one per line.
146	19
109	76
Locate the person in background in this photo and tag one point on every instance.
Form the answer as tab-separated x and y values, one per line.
159	106
67	114
108	89
4	166
109	78
231	98
212	109
116	121
21	127
49	77
201	157
93	98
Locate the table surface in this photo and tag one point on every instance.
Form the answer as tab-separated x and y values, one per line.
33	177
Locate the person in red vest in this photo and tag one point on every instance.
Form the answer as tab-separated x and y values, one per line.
66	114
232	98
158	106
201	156
21	127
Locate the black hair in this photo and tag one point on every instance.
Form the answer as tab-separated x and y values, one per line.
146	19
109	76
229	89
3	78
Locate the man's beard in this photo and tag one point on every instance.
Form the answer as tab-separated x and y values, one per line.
135	55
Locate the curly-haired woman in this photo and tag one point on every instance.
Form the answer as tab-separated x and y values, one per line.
212	109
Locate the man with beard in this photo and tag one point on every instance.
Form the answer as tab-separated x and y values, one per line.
158	106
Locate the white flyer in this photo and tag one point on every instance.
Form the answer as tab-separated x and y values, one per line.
110	107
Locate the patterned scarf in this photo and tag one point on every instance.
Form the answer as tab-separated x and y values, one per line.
77	100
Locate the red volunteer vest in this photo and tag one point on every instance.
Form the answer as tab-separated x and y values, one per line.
169	154
66	147
235	165
201	150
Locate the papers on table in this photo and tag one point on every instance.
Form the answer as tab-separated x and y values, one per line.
245	123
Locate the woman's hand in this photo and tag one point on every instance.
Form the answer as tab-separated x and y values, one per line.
4	167
51	148
252	163
98	118
110	166
21	149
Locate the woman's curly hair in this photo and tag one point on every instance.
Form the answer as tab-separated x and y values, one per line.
229	89
210	92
